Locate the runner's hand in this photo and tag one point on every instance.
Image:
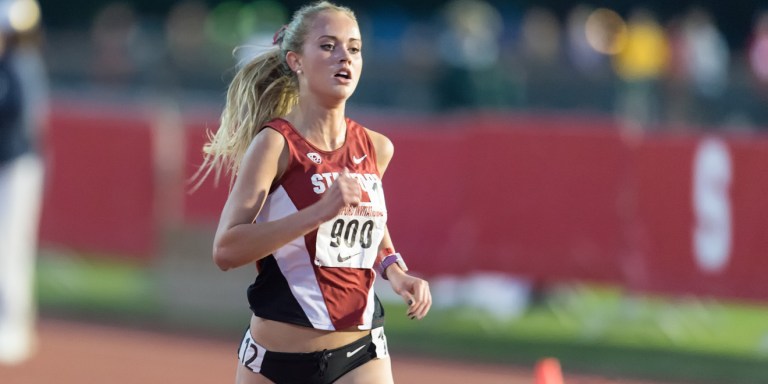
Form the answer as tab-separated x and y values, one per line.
345	191
413	290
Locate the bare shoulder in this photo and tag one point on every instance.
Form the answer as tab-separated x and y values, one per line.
263	162
267	140
268	145
384	149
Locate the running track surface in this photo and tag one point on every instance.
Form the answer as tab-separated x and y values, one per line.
77	353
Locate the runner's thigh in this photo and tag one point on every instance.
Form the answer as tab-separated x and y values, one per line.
376	371
245	376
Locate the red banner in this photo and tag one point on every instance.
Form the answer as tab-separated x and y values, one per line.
701	217
99	185
548	198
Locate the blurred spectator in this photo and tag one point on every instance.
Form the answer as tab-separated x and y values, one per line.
606	31
706	57
640	65
114	34
542	49
541	36
469	49
189	54
420	55
698	71
706	54
582	55
758	49
758	61
23	115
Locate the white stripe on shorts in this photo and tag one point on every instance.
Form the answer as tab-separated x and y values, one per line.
380	341
251	354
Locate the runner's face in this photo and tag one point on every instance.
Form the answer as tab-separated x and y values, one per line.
331	61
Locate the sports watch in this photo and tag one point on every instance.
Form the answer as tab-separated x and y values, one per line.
389	260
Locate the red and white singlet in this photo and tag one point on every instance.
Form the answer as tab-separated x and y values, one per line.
323	280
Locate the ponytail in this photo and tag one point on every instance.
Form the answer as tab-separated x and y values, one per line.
263	89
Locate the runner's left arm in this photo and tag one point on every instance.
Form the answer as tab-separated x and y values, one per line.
413	290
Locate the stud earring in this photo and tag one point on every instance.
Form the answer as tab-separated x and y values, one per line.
298	71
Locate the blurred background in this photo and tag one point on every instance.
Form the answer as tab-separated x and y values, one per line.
584	180
699	63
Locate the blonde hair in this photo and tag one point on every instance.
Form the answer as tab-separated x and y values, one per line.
263	89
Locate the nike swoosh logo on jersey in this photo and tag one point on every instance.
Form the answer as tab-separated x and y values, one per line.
358	160
352	353
342	259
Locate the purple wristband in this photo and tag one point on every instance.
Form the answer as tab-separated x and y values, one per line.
389	260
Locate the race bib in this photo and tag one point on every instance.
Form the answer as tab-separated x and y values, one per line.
352	238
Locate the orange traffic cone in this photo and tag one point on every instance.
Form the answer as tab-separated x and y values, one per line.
548	371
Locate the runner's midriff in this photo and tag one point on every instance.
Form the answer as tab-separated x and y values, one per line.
283	337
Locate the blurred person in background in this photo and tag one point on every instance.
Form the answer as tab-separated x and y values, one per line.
582	55
541	46
758	63
307	207
640	64
188	47
541	37
23	116
114	35
469	49
698	70
758	48
589	67
707	58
